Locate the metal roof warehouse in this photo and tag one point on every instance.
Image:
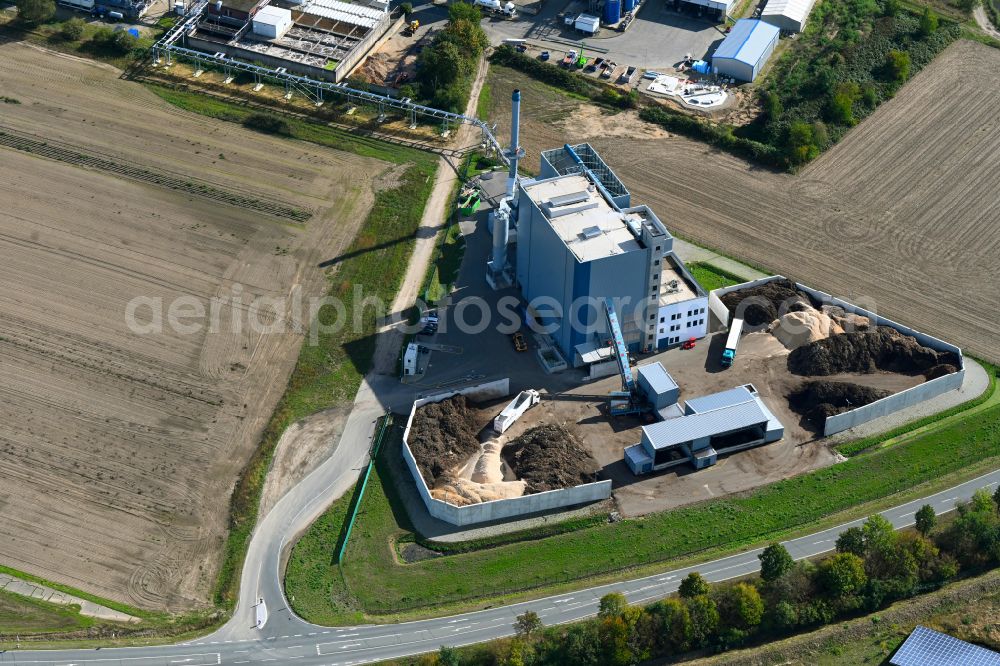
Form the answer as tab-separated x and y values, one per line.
743	53
788	15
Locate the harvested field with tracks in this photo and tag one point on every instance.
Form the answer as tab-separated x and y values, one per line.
119	451
900	216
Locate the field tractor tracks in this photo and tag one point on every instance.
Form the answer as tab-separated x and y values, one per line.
89	160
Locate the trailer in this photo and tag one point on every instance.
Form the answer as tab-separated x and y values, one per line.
524	401
732	341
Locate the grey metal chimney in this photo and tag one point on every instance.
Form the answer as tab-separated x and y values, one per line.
515	153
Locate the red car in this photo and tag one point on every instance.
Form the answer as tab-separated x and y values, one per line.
689	343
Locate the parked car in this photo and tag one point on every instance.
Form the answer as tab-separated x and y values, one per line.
650	74
544	56
689	343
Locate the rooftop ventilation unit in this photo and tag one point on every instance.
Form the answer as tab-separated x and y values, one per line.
567	199
590	232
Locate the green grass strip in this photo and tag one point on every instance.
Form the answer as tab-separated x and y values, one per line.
711	277
386	420
20	615
72	591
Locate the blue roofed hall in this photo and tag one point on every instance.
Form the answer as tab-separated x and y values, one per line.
745	50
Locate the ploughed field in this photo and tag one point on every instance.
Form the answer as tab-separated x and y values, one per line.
901	216
119	451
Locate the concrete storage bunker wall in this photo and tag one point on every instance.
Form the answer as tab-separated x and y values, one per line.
497	509
879	408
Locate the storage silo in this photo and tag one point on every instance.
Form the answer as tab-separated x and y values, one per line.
628	5
612	11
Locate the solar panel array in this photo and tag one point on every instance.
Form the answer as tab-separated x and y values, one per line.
926	647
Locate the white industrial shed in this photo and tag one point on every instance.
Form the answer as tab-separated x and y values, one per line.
789	15
745	50
272	22
720	8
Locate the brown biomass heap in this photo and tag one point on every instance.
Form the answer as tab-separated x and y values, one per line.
549	457
819	399
443	436
760	305
883	348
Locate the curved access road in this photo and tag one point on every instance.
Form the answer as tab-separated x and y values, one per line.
287	639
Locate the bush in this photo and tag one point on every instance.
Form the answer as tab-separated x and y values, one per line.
35	11
407	9
897	66
72	30
841	106
928	22
114	42
264	122
800	146
771	102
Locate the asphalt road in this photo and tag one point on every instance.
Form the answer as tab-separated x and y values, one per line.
286	639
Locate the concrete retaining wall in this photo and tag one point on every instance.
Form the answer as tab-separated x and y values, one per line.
720	311
498	509
885	406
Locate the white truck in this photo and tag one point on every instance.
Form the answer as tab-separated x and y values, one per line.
732	341
524	401
497	7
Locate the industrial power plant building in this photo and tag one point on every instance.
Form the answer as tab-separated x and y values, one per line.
745	50
579	241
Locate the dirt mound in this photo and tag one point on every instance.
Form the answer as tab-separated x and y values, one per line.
443	437
759	306
462	492
549	457
883	348
848	321
795	329
939	370
817	400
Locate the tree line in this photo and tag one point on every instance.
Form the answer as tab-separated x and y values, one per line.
873	566
447	66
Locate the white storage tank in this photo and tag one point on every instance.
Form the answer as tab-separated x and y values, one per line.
272	22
